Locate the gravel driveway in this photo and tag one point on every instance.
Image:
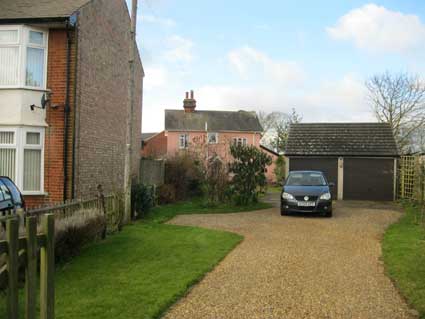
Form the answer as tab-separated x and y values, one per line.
298	267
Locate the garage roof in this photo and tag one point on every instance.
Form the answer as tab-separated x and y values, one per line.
341	139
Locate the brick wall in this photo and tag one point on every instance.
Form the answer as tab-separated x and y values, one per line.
155	147
54	137
101	97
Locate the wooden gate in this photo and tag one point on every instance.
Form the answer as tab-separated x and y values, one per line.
24	251
412	177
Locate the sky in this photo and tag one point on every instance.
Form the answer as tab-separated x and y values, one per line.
275	55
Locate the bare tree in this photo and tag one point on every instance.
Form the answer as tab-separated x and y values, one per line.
276	127
398	99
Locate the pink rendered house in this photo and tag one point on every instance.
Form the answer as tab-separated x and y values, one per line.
209	133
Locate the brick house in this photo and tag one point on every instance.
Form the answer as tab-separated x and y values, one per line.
62	116
205	132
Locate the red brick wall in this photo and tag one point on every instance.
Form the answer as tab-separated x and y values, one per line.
155	147
54	137
102	77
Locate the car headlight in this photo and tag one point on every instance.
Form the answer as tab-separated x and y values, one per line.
326	196
287	196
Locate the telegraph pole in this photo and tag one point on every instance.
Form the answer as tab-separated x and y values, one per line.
130	108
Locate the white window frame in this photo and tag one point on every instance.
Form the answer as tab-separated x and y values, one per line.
212	134
242	141
185	139
23	44
20	145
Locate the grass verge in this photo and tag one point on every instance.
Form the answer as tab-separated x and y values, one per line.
161	214
137	273
404	257
141	271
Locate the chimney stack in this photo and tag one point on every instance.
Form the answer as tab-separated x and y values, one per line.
189	103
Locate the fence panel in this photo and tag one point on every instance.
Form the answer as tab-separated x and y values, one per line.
152	172
412	177
23	251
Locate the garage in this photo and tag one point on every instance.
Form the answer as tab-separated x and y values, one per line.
368	178
328	165
360	158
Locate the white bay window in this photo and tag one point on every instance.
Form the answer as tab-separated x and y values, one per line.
21	157
23	57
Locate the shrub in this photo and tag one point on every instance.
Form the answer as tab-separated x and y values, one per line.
184	171
166	194
216	183
142	199
279	170
73	232
248	167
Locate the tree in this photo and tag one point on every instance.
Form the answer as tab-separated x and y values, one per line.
398	99
248	169
276	127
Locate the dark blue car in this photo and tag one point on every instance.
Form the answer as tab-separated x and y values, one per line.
306	192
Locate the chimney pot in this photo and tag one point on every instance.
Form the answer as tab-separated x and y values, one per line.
189	104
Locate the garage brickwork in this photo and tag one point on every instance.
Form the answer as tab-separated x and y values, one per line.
102	97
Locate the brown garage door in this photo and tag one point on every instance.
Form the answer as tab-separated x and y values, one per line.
368	178
329	166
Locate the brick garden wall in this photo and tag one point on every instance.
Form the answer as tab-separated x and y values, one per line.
102	74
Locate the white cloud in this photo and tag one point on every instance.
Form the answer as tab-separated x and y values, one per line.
155	76
378	29
165	22
179	49
332	101
250	63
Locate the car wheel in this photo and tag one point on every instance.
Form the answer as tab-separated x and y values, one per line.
329	214
283	213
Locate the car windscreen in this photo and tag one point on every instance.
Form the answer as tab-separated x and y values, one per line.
305	179
11	190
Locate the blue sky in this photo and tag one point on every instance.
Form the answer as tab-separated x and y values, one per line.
274	55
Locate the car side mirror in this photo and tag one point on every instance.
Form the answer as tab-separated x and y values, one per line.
331	184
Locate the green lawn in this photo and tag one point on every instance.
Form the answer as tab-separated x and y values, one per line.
164	213
404	257
141	271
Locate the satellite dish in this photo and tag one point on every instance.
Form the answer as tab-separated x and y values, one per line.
44	101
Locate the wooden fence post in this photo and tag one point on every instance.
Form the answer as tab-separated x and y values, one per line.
47	269
31	270
12	237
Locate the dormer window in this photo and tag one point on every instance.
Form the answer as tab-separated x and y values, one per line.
23	57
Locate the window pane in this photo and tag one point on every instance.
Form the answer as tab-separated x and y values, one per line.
7	137
9	66
8	162
32	170
35	67
36	37
8	36
33	138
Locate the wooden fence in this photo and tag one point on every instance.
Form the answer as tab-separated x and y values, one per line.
152	172
412	177
24	251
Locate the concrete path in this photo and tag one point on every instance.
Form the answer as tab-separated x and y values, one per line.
298	267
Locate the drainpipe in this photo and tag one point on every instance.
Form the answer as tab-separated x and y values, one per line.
66	113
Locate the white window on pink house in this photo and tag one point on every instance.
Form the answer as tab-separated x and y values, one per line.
212	138
183	141
240	141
